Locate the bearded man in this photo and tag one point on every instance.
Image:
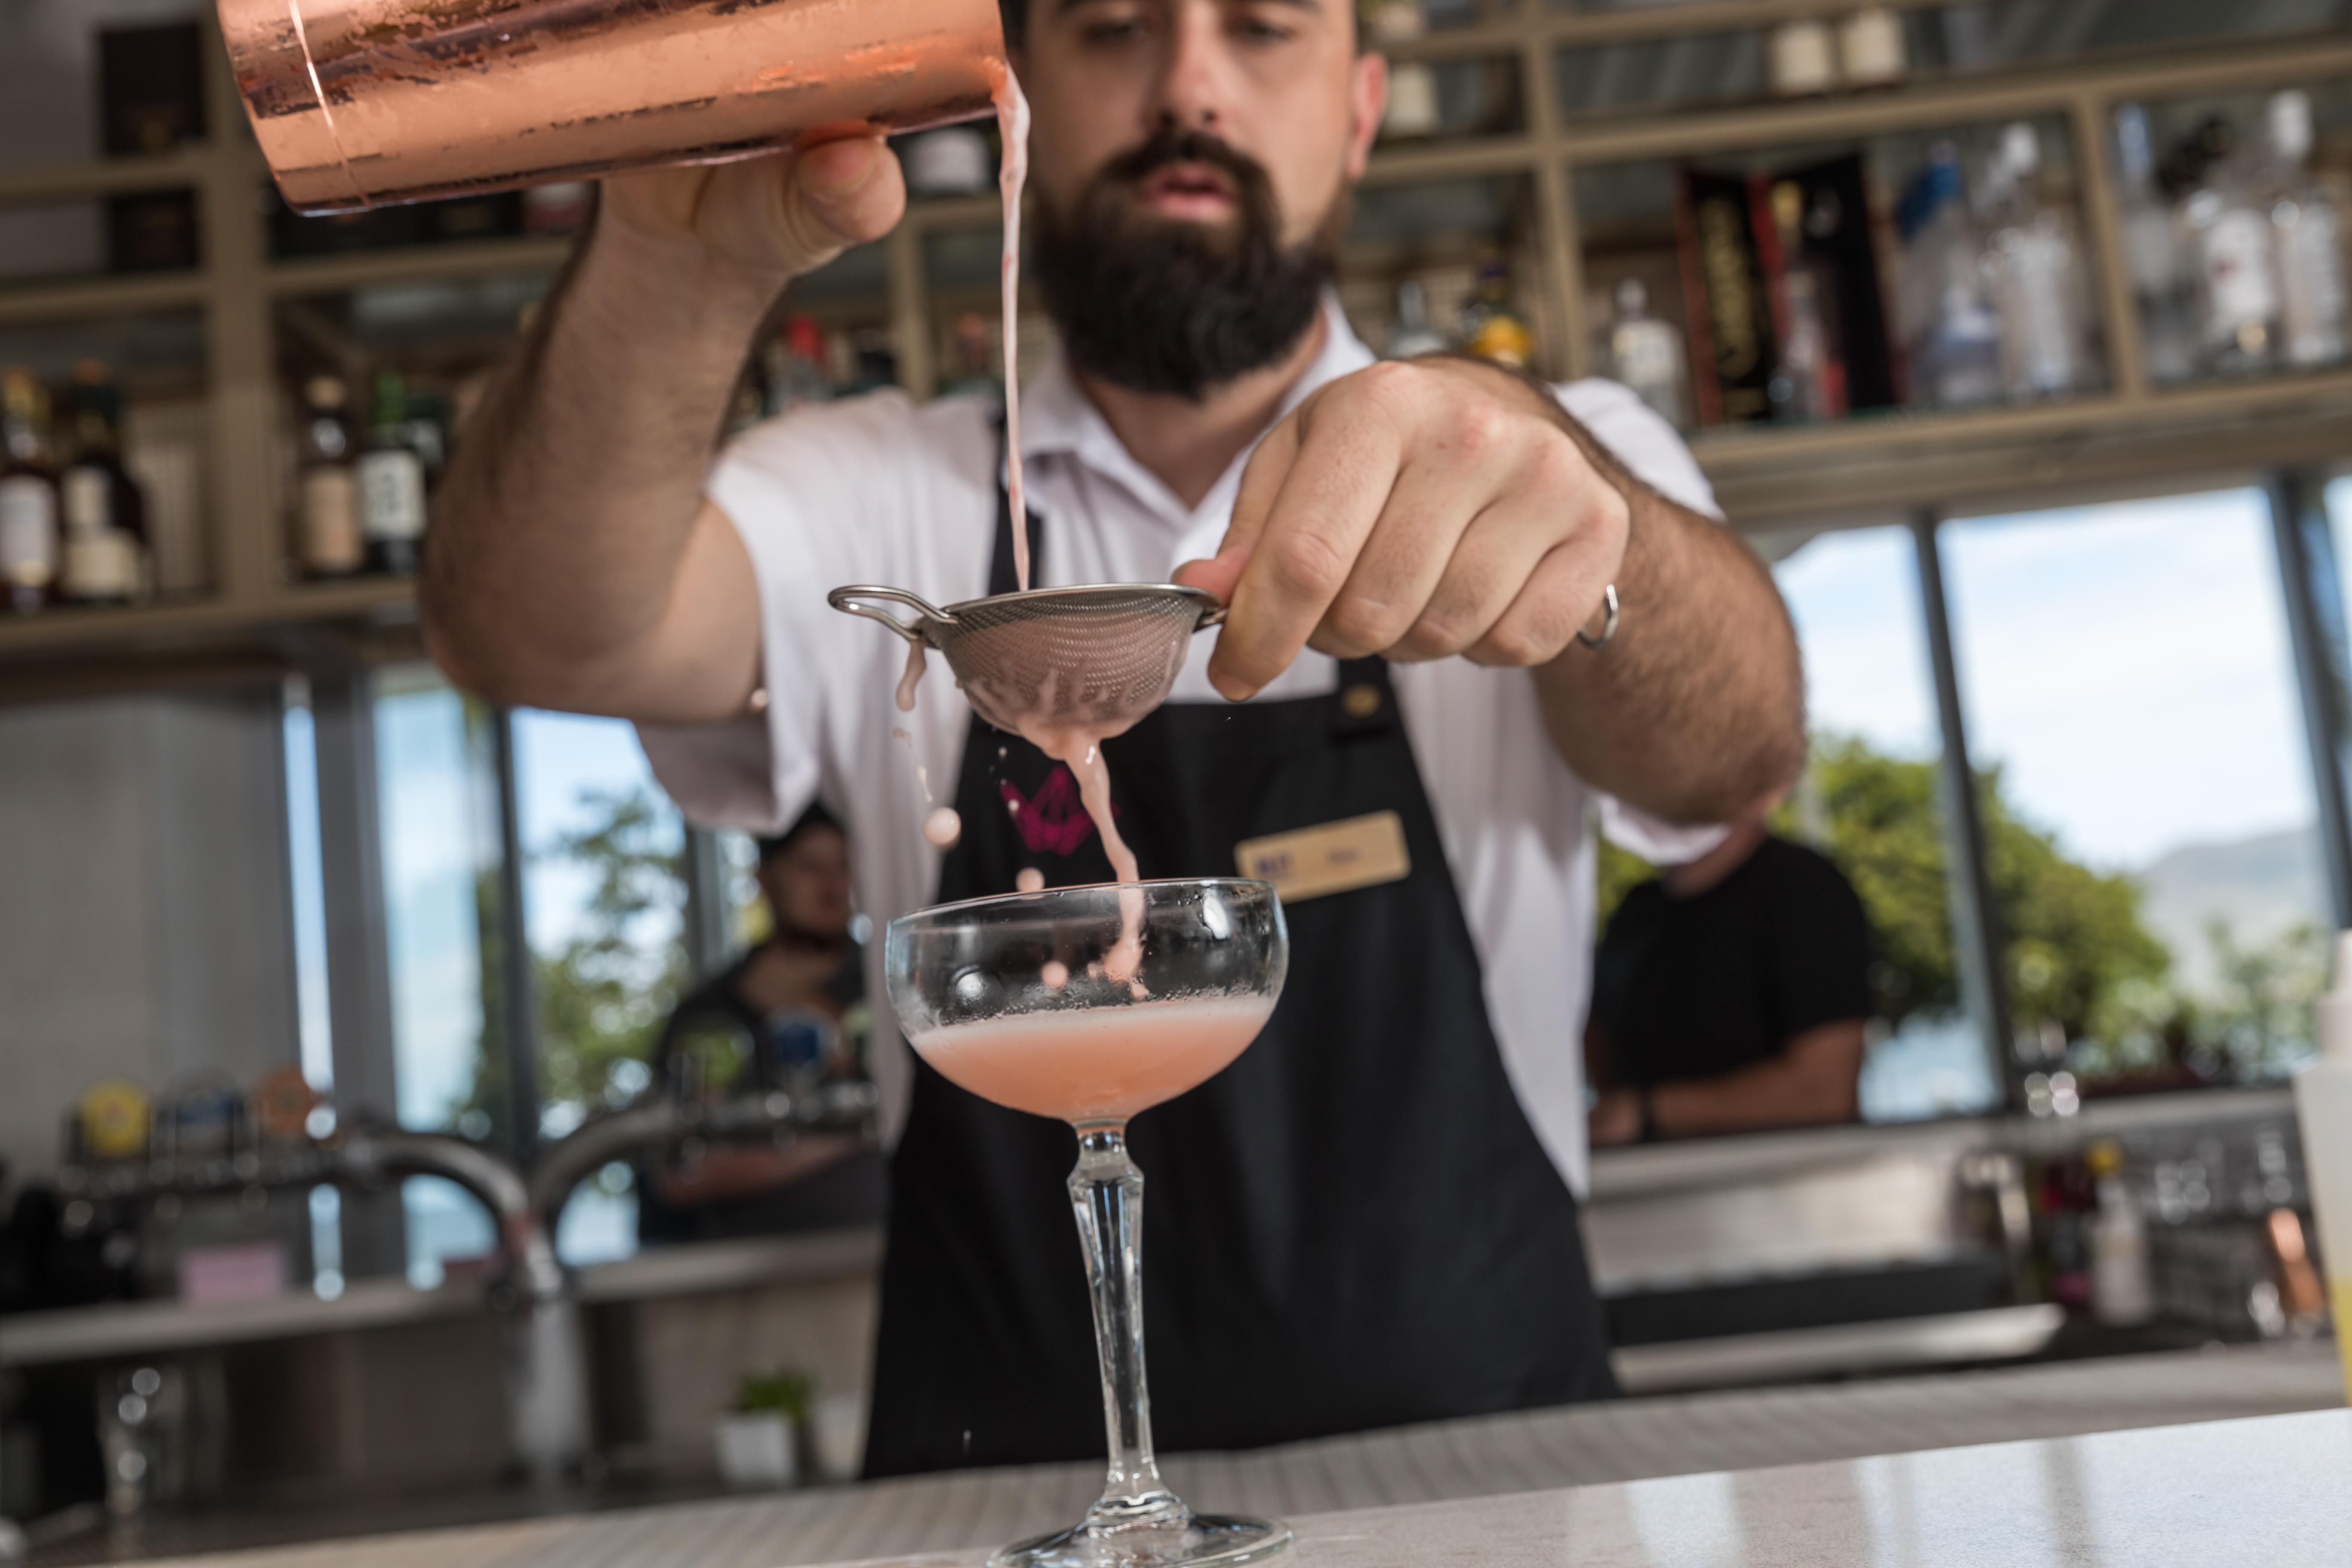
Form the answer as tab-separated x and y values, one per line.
1473	609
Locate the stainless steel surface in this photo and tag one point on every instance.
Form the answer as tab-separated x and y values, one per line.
1847	1349
1535	1451
361	102
1093	658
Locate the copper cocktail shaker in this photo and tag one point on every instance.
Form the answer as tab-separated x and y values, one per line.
358	103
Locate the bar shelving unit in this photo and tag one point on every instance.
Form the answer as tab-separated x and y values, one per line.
1868	468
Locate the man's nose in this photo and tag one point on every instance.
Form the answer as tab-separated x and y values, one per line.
1195	90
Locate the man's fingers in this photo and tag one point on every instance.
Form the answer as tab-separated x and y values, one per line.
1401	565
1220	575
1327	506
1560	596
1497	553
1262	481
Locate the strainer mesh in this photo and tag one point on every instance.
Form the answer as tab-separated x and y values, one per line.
1095	658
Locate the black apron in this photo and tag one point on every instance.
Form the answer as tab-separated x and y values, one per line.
1353	1227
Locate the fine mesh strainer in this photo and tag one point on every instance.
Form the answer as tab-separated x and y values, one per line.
1095	658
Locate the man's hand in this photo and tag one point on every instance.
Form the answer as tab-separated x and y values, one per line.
771	219
1418	510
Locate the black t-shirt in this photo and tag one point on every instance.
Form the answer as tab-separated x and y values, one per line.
716	1037
1697	987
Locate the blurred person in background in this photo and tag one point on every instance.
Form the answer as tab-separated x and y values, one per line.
1730	993
790	1012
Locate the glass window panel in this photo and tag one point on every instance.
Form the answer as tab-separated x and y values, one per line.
438	819
1870	801
603	900
2132	712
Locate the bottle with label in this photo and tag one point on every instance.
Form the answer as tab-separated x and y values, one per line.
1413	109
2123	1288
1951	334
2309	239
799	365
1490	328
1808	381
328	540
1647	355
1414	334
2236	260
2323	1105
28	495
106	558
2162	284
392	483
2031	263
1871	48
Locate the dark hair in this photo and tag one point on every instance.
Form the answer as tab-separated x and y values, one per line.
815	817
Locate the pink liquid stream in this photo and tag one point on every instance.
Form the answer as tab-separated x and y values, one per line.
1096	1065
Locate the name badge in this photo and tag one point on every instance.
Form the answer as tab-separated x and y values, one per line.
1337	857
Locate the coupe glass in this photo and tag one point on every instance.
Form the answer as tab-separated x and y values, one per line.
1089	1005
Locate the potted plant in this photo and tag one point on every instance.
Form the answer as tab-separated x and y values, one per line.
759	1436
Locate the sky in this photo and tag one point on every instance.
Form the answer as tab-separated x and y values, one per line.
2127	664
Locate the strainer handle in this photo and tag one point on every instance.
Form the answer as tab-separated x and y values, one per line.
852	601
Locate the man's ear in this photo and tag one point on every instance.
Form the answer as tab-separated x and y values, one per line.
1368	102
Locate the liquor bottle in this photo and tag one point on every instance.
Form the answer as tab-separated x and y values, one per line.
1413	109
1647	355
327	539
1950	331
2030	259
1802	57
1807	381
1871	48
1414	334
28	495
798	366
2123	1291
392	483
2309	240
106	558
1490	328
2236	260
2162	285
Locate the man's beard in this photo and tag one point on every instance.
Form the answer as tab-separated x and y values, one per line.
1162	305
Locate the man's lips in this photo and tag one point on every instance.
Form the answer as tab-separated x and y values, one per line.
1189	190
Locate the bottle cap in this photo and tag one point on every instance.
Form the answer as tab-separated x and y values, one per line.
326	392
1633	298
2290	124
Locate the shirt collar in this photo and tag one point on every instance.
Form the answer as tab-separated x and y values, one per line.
1058	420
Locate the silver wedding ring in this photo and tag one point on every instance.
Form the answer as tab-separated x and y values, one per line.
1608	625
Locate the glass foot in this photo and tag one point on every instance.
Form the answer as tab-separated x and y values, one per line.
1191	1538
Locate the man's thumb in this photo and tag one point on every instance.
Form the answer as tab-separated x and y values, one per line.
849	188
1220	575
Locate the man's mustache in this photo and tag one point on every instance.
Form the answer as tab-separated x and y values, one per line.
1167	147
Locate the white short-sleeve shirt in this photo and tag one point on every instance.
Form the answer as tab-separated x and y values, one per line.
878	489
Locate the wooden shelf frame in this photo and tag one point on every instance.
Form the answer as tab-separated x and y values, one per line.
1774	477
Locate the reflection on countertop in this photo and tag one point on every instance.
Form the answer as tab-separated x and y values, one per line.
2143	1496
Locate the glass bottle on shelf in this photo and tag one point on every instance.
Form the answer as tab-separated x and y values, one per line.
28	495
1491	329
1414	334
2309	239
328	541
1806	384
1951	334
1802	57
392	483
105	558
1413	109
798	366
1871	48
2236	260
1647	355
2162	284
2031	261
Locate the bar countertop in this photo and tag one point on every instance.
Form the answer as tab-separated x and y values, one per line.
1721	1481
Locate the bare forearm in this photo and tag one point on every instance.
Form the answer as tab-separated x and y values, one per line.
571	506
1696	711
1811	1083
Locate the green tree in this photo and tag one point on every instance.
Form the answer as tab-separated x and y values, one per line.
603	997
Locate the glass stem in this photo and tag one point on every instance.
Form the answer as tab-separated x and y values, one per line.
1107	1191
